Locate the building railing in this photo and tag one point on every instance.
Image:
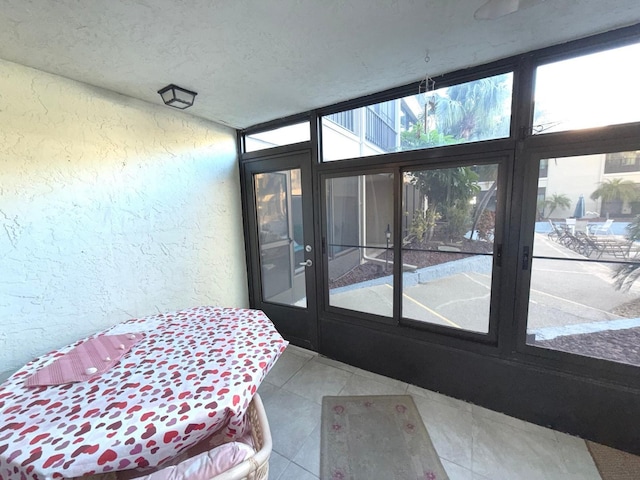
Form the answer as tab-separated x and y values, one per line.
379	132
344	119
377	129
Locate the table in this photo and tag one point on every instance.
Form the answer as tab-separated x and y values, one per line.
193	374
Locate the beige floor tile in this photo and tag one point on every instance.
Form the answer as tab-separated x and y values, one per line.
291	419
265	389
301	352
315	380
277	465
438	397
576	457
455	471
359	385
295	472
504	451
473	442
450	429
334	363
382	379
512	421
308	457
286	367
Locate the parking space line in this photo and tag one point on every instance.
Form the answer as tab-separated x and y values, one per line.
476	281
533	290
432	312
575	303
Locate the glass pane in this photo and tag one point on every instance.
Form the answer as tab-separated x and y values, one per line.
583	297
281	237
359	219
447	249
300	132
469	112
588	91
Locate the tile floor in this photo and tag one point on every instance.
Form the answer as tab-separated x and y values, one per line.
473	443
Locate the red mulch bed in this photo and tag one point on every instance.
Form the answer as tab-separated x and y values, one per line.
617	345
414	254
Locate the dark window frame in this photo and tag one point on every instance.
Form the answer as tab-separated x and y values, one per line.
521	144
606	140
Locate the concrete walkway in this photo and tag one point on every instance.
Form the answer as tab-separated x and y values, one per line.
457	294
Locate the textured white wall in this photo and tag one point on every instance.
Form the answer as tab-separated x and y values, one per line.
109	208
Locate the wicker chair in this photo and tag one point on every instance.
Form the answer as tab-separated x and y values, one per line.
257	466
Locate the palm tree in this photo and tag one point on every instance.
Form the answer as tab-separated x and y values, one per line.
415	137
557	201
474	110
449	192
615	190
466	112
627	274
445	187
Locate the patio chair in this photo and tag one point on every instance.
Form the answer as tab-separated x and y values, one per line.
558	233
601	229
585	245
554	233
611	246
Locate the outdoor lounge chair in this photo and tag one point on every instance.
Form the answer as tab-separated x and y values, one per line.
598	229
582	244
612	247
561	234
557	232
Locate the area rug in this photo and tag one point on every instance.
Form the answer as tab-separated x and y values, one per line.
614	464
376	437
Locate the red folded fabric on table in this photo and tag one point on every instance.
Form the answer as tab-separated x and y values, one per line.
87	360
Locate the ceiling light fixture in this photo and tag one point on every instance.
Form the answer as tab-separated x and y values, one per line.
177	97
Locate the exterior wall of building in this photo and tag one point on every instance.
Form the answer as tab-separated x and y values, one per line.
378	213
575	176
338	143
110	208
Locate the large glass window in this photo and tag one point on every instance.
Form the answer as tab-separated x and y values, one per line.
300	132
448	245
584	298
468	112
622	162
588	91
359	233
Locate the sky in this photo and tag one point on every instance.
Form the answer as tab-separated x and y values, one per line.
589	91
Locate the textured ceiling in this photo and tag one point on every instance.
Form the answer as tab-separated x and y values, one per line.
254	61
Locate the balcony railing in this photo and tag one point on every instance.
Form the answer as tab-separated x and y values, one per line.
379	132
344	119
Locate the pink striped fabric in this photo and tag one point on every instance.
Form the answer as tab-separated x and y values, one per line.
89	359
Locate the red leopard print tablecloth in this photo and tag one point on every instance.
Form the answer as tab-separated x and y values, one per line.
194	373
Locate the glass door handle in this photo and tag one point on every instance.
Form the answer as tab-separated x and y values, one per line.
306	263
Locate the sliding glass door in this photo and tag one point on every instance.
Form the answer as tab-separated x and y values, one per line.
431	267
359	253
448	249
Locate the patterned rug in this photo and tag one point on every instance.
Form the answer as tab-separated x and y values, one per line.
376	437
614	464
